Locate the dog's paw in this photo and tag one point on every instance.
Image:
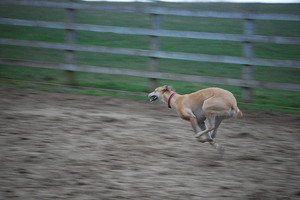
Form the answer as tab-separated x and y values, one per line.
201	140
203	137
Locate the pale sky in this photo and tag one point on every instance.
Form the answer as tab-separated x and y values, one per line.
237	1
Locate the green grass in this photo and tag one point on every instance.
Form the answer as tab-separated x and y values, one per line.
267	99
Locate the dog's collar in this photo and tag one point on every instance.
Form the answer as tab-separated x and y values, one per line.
169	100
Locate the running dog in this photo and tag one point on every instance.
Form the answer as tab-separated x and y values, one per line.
204	109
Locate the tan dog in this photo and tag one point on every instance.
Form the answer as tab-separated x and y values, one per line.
205	109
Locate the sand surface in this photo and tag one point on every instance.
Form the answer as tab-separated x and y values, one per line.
68	146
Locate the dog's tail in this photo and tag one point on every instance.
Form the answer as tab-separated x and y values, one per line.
237	111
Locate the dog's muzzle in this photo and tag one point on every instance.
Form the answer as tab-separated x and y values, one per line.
152	98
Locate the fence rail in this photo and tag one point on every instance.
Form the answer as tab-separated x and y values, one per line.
248	38
156	75
153	53
153	10
151	32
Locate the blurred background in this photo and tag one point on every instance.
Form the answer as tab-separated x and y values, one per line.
108	25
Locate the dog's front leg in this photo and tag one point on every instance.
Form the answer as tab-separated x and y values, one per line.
194	124
188	115
198	130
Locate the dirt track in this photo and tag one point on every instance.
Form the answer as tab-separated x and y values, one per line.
66	146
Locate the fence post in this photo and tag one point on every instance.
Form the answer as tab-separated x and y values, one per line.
155	45
248	51
70	39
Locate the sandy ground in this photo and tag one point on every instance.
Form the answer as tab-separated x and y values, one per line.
67	146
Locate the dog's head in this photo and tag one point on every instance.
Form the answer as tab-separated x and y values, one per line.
159	93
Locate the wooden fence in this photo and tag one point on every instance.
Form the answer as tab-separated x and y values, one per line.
248	38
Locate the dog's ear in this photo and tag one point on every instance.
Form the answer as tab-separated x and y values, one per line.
165	88
171	88
168	88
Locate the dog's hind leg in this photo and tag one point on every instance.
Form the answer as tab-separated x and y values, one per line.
218	121
212	109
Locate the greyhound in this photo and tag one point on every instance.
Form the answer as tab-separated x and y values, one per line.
204	109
